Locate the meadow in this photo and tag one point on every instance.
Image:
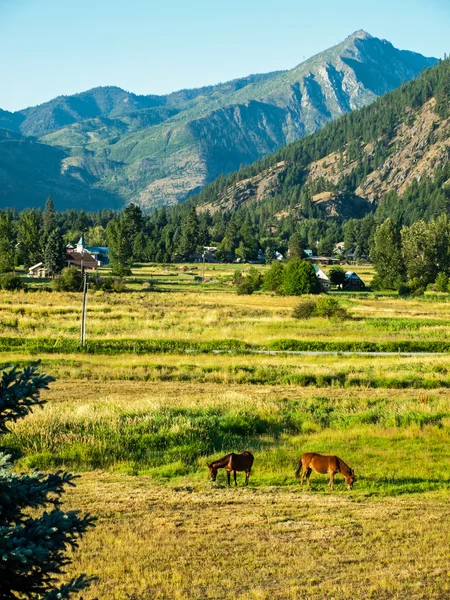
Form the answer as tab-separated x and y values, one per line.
140	412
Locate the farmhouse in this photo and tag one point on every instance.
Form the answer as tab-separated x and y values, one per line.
325	284
37	270
353	281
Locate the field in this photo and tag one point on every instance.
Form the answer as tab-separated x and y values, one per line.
141	411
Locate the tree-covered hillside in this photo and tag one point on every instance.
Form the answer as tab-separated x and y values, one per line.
157	150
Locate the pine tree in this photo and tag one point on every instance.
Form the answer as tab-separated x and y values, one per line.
33	548
7	243
49	216
29	236
120	246
55	258
299	277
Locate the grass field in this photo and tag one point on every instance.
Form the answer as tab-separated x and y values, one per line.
140	428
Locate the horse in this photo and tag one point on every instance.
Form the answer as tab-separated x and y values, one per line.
322	464
232	462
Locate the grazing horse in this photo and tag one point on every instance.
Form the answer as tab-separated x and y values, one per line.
324	464
232	462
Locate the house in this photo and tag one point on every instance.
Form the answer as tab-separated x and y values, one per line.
325	284
82	260
353	281
100	253
38	270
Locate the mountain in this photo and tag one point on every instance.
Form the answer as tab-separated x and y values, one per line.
157	150
391	156
30	171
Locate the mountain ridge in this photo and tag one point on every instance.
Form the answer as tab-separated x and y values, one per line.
158	150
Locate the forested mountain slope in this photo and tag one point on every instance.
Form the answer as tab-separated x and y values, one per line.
391	156
157	150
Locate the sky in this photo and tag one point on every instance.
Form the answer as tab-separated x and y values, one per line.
54	47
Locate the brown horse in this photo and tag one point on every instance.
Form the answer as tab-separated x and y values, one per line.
324	464
232	462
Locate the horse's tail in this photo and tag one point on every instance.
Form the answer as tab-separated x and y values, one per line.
299	468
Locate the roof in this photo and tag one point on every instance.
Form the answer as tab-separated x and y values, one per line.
39	264
352	274
77	258
320	274
97	249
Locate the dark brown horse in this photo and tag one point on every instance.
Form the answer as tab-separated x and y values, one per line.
232	462
324	464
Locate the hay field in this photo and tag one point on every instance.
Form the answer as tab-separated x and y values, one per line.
140	429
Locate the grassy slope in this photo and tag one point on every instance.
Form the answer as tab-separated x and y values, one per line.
142	428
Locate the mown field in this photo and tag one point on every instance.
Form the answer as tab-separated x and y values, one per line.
139	422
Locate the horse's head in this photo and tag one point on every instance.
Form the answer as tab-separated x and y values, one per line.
212	471
350	479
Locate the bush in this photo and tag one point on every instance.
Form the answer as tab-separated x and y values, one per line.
244	287
11	282
300	278
330	308
327	307
404	290
107	284
304	310
420	291
70	280
273	278
441	284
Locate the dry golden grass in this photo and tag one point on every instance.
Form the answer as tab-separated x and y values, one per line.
155	542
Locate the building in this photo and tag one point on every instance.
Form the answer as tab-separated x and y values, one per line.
82	260
353	281
100	253
38	271
325	284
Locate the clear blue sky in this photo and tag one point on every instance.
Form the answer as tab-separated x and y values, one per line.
53	47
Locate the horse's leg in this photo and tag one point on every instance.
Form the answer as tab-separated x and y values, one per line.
247	475
303	474
235	482
228	478
331	484
308	476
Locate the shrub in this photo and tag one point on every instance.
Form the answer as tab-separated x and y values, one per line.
107	284
70	280
330	308
245	287
304	310
11	282
420	291
327	307
299	278
441	284
404	290
273	278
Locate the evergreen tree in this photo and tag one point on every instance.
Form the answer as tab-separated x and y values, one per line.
7	243
29	237
49	216
33	548
190	231
120	246
55	255
134	221
273	277
299	278
387	256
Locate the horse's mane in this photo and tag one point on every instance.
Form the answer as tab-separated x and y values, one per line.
221	461
344	467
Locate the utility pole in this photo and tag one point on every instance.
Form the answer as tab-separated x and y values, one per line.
84	309
203	271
